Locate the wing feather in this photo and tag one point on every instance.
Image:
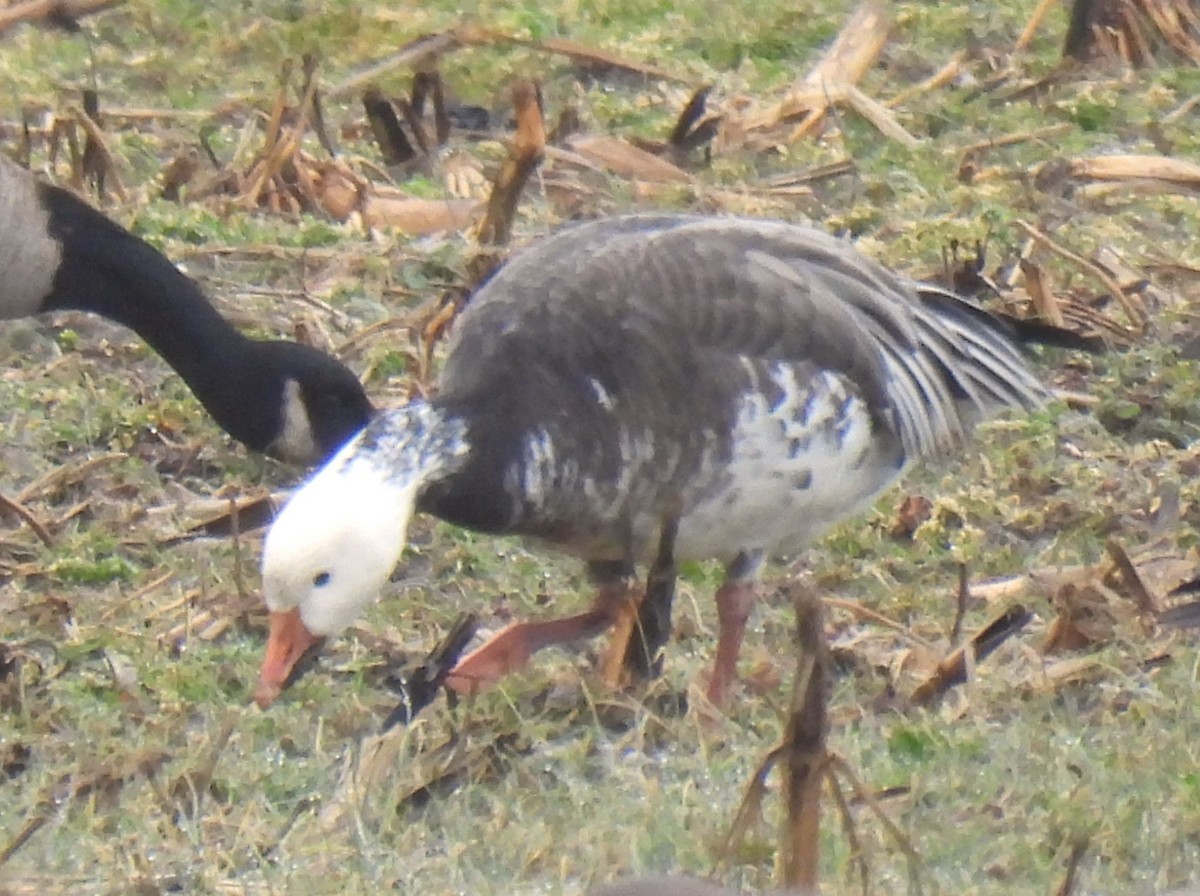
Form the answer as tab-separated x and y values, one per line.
686	292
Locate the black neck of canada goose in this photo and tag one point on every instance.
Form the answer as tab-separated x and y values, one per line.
277	397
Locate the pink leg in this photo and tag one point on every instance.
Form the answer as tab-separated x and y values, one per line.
734	600
510	649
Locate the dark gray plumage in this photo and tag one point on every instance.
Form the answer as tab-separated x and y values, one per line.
650	387
673	322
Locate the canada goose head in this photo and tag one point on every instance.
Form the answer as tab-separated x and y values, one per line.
321	404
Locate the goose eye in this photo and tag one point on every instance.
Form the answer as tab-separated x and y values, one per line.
321	579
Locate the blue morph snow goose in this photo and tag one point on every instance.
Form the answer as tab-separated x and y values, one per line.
278	397
647	387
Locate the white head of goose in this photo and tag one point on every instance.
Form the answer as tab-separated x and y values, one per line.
647	387
277	397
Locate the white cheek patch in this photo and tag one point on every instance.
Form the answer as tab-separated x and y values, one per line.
295	441
29	258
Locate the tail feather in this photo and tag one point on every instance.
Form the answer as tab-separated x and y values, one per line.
1038	332
966	363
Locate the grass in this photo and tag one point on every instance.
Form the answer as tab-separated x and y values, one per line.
129	760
